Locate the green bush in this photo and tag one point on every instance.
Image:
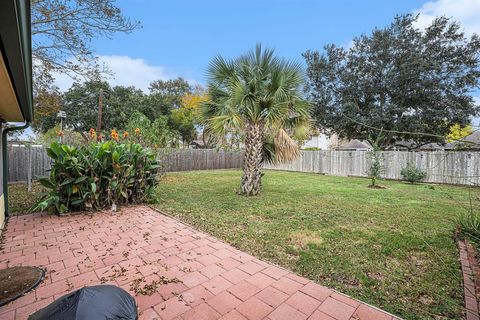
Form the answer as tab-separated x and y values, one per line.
98	176
413	174
312	149
375	168
470	225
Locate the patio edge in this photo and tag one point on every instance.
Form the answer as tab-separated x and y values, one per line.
275	265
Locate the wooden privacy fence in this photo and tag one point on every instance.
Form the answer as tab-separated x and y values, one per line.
199	159
27	163
454	167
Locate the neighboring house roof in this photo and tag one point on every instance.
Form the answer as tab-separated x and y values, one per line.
355	145
472	140
15	61
407	144
436	146
433	146
198	143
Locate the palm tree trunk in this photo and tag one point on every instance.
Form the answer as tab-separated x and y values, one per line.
252	164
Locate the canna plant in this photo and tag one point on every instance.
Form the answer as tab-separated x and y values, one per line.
260	96
98	176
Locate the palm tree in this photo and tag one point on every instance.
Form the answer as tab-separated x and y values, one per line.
259	96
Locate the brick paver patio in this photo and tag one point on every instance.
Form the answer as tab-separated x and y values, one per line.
173	270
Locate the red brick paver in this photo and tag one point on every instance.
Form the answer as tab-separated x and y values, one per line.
199	276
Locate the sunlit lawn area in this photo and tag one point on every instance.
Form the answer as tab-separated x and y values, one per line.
392	248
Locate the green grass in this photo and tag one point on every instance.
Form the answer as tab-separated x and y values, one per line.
20	200
390	247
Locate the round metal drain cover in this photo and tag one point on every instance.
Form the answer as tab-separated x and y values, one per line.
16	281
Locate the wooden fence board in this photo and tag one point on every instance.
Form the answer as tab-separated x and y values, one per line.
19	158
454	167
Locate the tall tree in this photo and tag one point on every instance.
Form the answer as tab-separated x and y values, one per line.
166	96
156	134
80	103
186	119
81	106
458	132
121	103
62	31
260	94
407	83
47	104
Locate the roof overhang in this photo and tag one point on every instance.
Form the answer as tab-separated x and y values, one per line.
15	61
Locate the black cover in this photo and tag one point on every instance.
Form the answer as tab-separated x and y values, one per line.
91	303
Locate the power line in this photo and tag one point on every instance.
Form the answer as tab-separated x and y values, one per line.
405	132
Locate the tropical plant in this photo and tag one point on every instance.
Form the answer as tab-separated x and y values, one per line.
98	176
413	174
259	94
52	135
375	168
156	134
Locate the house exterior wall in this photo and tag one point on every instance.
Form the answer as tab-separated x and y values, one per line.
2	197
321	141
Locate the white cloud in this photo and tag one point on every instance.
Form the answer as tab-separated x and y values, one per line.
63	81
467	12
348	45
126	71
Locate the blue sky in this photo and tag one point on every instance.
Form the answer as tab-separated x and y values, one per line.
179	37
183	35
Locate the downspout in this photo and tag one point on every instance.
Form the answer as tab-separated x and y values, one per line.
5	160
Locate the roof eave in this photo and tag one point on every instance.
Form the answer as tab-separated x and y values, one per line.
15	42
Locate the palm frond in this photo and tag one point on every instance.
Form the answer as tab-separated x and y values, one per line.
223	125
258	87
286	149
268	151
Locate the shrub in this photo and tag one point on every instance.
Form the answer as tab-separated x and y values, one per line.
312	149
413	174
98	176
470	225
156	134
375	168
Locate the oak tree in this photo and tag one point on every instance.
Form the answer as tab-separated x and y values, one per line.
408	83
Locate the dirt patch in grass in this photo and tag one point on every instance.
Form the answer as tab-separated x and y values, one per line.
377	186
16	281
301	238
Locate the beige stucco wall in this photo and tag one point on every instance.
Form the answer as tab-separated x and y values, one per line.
2	212
2	198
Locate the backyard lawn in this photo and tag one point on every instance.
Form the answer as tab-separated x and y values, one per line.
20	200
390	247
